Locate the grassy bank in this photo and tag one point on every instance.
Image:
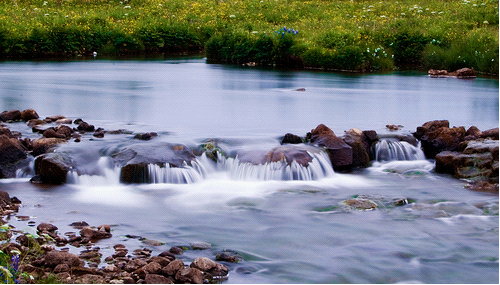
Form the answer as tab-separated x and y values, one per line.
352	35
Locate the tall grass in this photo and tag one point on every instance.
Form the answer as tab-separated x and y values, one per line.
343	34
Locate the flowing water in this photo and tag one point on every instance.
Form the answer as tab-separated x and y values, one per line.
287	221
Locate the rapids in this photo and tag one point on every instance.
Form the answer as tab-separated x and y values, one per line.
288	222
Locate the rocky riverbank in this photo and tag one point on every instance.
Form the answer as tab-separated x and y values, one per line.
44	257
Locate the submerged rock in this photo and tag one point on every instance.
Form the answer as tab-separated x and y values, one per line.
360	204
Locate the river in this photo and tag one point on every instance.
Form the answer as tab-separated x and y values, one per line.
286	231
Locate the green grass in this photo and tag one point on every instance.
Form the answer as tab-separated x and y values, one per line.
351	35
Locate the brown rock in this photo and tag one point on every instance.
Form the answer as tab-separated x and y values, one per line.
157	279
291	139
51	133
64	130
51	119
89	279
66	121
29	114
52	168
152	268
54	257
474	131
491	133
465	73
14	115
134	264
360	147
11	151
33	122
93	234
203	264
189	275
172	268
339	152
42	145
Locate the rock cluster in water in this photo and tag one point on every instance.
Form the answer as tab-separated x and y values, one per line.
470	154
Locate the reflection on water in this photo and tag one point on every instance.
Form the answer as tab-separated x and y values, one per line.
211	100
286	231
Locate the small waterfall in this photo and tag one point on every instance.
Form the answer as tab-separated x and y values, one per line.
318	168
177	175
108	174
393	149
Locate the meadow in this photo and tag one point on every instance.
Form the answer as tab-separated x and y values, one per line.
339	35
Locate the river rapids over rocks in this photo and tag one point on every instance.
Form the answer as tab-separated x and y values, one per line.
229	201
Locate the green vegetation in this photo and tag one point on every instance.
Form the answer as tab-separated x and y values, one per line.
343	34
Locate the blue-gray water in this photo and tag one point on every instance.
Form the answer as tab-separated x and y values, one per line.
287	231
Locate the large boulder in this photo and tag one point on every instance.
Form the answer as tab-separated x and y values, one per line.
53	168
340	153
437	136
11	152
135	159
29	114
14	115
475	159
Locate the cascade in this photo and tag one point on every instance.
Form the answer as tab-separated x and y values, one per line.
319	167
393	149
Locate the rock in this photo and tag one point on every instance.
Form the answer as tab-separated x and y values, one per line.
465	73
64	130
189	275
173	267
152	268
464	165
51	119
339	152
145	136
46	228
43	145
436	136
360	147
61	268
360	204
14	115
34	122
99	134
393	127
51	133
207	265
474	131
162	261
176	250
134	264
54	258
79	225
291	139
200	245
92	234
437	73
11	152
85	127
66	121
29	114
491	133
52	168
228	256
157	279
89	279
